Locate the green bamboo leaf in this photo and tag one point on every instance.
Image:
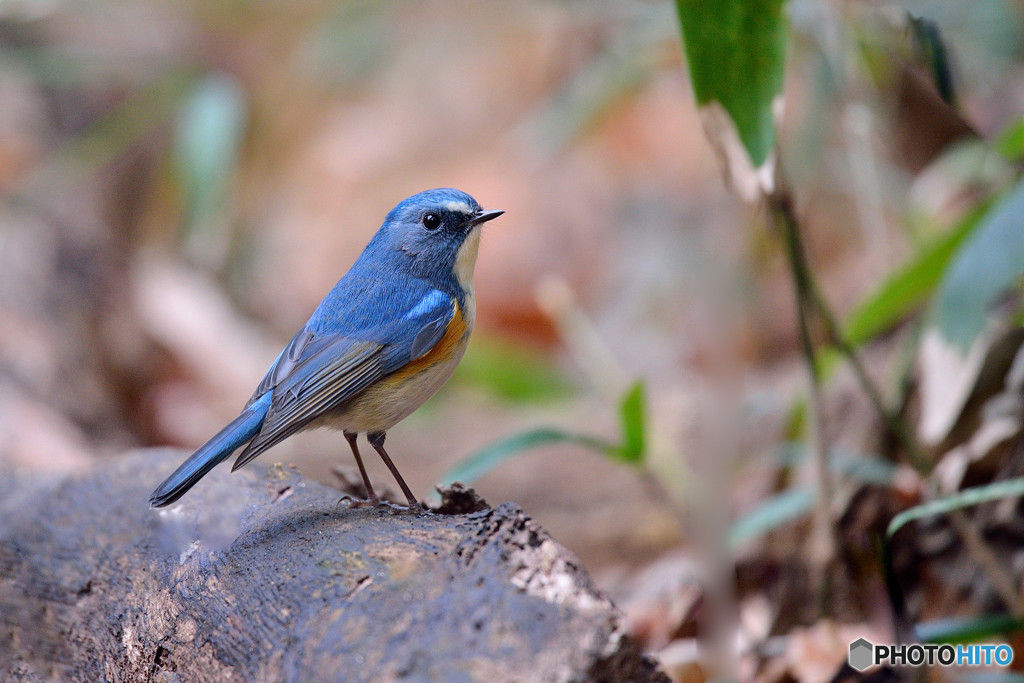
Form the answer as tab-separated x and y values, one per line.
861	466
485	460
932	51
510	372
633	417
795	425
771	514
1010	142
736	54
968	629
977	495
909	287
984	268
209	134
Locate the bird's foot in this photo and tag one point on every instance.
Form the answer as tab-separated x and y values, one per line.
353	502
414	508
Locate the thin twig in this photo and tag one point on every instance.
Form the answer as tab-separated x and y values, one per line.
893	422
1002	581
824	547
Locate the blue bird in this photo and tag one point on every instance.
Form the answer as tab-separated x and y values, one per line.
382	342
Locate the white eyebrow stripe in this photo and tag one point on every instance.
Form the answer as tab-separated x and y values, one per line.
461	207
430	301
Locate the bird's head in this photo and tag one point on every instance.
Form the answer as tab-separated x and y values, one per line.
435	233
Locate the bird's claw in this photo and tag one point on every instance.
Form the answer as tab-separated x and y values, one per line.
399	509
415	508
353	502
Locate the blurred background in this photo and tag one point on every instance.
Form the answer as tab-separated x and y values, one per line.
181	183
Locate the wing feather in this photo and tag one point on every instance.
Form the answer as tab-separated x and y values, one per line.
315	373
284	364
338	369
432	331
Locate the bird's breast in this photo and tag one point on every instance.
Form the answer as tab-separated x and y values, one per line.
397	395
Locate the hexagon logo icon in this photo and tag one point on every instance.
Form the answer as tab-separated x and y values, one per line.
861	654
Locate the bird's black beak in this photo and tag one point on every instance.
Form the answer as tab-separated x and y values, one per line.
484	216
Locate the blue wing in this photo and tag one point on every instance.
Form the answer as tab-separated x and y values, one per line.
331	360
333	370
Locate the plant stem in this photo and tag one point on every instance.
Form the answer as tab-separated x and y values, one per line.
810	300
1002	581
893	422
824	541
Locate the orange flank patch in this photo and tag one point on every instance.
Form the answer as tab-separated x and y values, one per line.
452	342
394	397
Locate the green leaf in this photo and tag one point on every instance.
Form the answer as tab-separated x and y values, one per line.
736	53
970	497
791	504
771	514
863	467
984	268
860	466
633	418
796	420
209	134
511	373
483	461
968	629
827	359
909	287
931	49
1010	142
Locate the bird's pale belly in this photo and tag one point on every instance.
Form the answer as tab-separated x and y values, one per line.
396	396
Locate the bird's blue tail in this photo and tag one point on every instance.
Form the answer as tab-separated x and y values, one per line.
239	431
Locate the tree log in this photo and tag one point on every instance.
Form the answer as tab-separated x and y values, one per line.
267	578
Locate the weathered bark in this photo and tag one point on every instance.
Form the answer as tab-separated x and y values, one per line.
267	578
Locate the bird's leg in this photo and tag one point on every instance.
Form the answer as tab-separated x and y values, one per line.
376	440
372	499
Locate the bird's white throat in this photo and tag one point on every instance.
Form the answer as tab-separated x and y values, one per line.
465	260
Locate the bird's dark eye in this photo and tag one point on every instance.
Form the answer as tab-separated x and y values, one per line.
431	221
